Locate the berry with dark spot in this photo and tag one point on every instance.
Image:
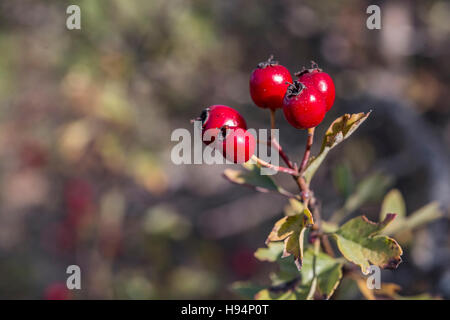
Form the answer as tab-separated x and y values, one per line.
303	106
217	116
319	80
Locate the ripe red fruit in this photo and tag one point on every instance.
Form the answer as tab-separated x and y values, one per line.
57	291
238	144
321	81
268	84
215	117
303	106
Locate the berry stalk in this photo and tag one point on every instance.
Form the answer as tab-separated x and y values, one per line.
282	154
272	119
263	163
307	153
306	193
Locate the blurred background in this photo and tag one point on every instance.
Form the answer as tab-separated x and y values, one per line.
86	118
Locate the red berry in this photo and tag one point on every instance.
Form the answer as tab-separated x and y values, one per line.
303	106
238	144
215	117
321	81
57	291
268	84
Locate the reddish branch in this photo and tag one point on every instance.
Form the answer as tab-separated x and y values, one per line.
307	195
304	188
282	154
307	153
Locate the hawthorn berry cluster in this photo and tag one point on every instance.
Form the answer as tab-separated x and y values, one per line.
304	102
302	233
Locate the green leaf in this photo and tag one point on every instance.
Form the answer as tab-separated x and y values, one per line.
369	189
339	130
291	230
299	293
274	253
288	269
283	276
424	215
293	207
245	289
254	179
359	241
329	227
319	270
326	269
394	203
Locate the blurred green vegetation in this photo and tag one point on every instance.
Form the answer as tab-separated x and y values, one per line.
86	117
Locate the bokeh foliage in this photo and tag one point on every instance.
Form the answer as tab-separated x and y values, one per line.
86	117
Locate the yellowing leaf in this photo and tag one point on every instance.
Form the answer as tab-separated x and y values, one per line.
339	130
291	230
359	241
291	294
387	291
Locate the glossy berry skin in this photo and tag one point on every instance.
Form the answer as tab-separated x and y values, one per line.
321	81
268	84
215	117
303	106
238	145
